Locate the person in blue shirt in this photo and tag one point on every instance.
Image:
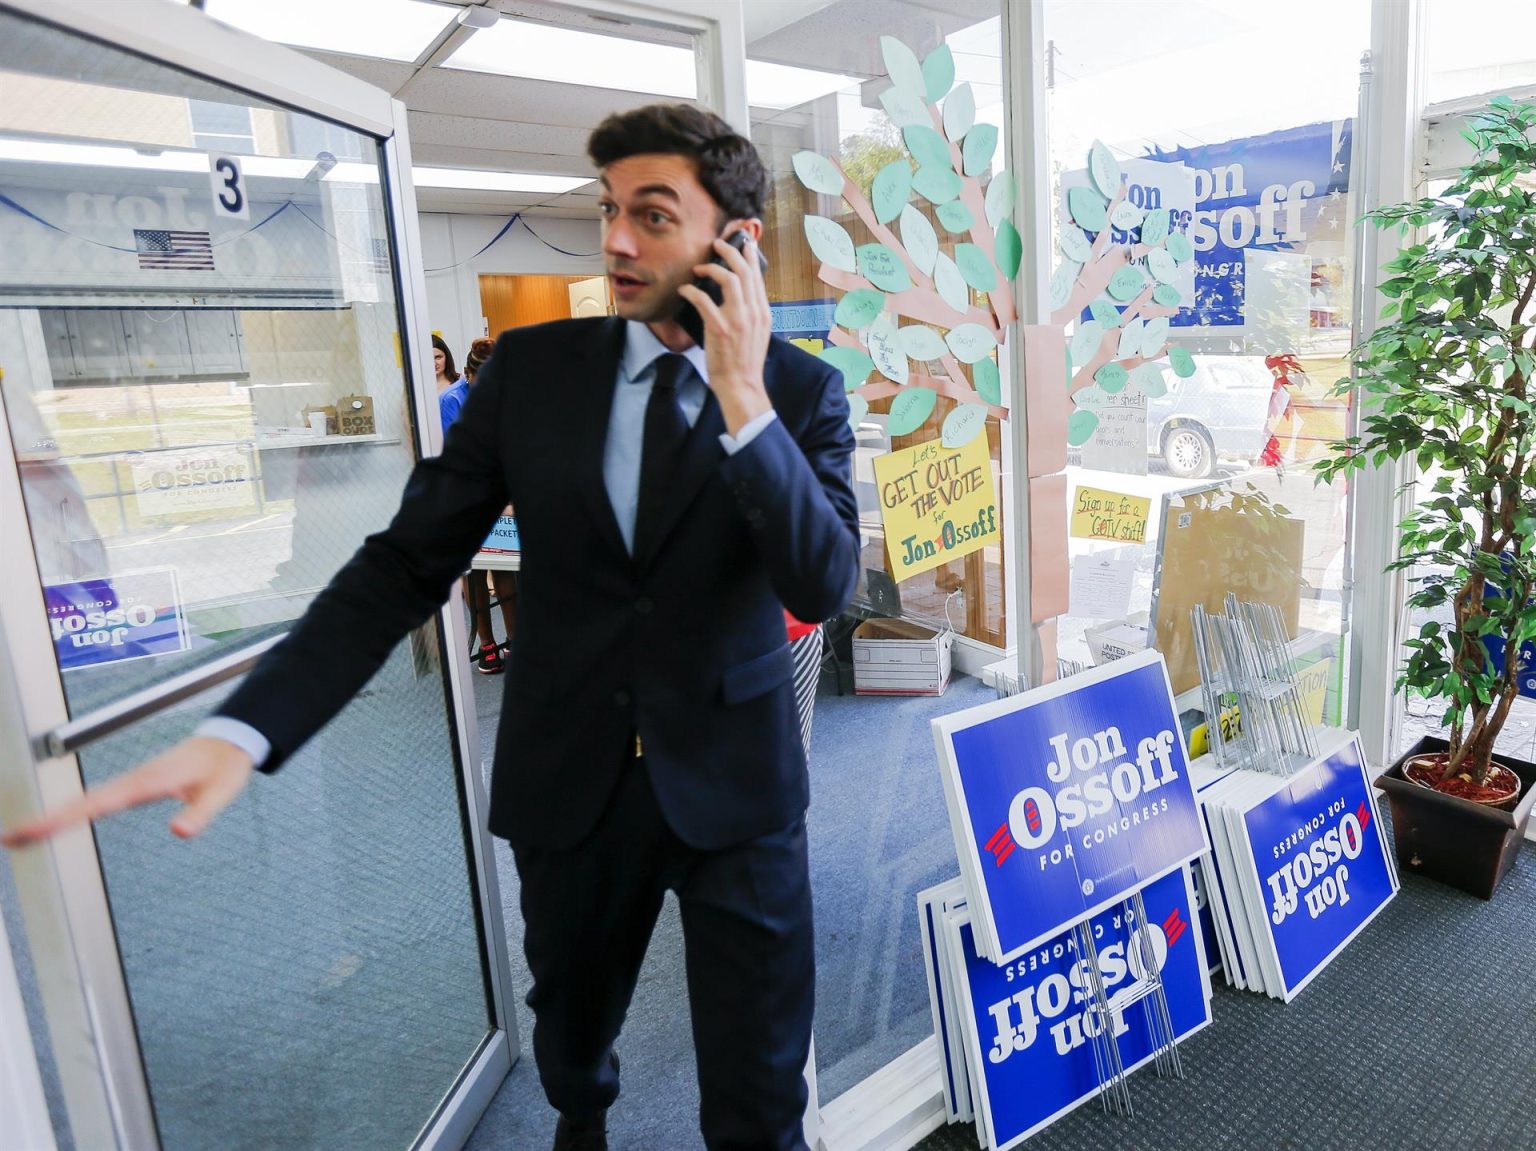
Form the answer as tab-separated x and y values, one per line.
488	660
451	390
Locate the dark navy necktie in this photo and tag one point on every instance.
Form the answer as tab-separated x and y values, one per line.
666	430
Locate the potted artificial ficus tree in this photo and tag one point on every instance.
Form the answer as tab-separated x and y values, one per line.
1446	382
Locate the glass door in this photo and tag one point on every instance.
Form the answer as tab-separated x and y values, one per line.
206	345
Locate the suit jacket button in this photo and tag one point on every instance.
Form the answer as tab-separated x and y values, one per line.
621	698
643	605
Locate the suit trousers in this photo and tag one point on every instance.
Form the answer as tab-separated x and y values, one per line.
589	912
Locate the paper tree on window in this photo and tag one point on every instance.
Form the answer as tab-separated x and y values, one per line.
1121	263
908	318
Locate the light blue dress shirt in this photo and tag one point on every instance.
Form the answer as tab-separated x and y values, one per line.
621	468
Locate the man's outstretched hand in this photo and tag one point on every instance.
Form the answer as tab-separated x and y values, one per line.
206	774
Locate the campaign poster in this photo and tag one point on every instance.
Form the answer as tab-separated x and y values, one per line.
1316	862
131	615
937	504
1030	1033
215	478
1066	799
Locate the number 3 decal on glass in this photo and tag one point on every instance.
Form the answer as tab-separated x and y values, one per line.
228	185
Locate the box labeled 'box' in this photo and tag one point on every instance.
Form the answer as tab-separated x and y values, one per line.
895	657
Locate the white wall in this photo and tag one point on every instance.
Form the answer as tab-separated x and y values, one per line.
453	296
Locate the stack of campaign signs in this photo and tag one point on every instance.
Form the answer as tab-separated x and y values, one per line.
1299	865
1067	803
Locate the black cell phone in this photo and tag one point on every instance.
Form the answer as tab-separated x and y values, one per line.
687	315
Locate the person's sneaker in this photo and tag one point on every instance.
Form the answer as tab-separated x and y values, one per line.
488	662
591	1135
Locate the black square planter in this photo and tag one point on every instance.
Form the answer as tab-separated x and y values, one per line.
1456	841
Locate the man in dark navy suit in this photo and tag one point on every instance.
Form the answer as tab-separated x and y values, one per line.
673	500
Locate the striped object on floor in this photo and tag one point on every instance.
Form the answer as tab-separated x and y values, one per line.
806	652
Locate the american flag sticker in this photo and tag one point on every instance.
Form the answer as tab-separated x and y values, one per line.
189	251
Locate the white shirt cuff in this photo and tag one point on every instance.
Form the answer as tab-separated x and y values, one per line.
748	433
242	735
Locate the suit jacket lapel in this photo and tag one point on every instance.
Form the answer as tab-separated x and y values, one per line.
595	381
701	455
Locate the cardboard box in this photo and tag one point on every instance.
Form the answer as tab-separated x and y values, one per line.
356	415
1117	639
895	657
325	410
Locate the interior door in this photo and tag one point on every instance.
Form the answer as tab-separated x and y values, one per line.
325	966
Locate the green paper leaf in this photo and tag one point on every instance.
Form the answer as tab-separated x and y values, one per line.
959	113
1075	245
950	283
1154	226
963	425
885	350
979	148
883	268
955	216
889	190
976	267
937	185
999	197
1086	340
1130	340
928	148
858	408
1111	377
1105	312
938	73
1104	170
859	308
1063	280
830	242
904	107
1182	363
1149	378
1126	216
910	411
818	173
919	239
1080	425
1087	209
921	342
1125	283
1154	334
971	342
989	385
1179	247
1160	264
901	65
852	362
1008	246
1166	295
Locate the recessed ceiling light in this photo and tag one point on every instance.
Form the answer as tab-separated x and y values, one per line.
387	29
566	56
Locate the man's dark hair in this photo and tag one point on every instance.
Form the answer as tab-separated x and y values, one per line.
726	163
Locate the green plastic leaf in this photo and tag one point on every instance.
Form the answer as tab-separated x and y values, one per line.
950	283
989	385
1154	334
999	197
859	308
1086	340
901	65
883	268
852	362
963	425
955	216
858	408
885	350
1154	226
1125	283
1182	362
1087	209
1104	169
959	113
1160	264
976	266
1105	312
938	73
830	242
910	411
919	239
1112	378
1075	245
1149	378
1008	246
1179	247
979	148
928	148
937	185
1063	280
904	107
921	342
818	173
1080	425
1166	295
970	342
889	190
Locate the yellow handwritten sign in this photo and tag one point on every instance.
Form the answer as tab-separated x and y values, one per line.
937	504
1104	515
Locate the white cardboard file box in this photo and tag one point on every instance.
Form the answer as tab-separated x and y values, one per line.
1118	639
894	657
